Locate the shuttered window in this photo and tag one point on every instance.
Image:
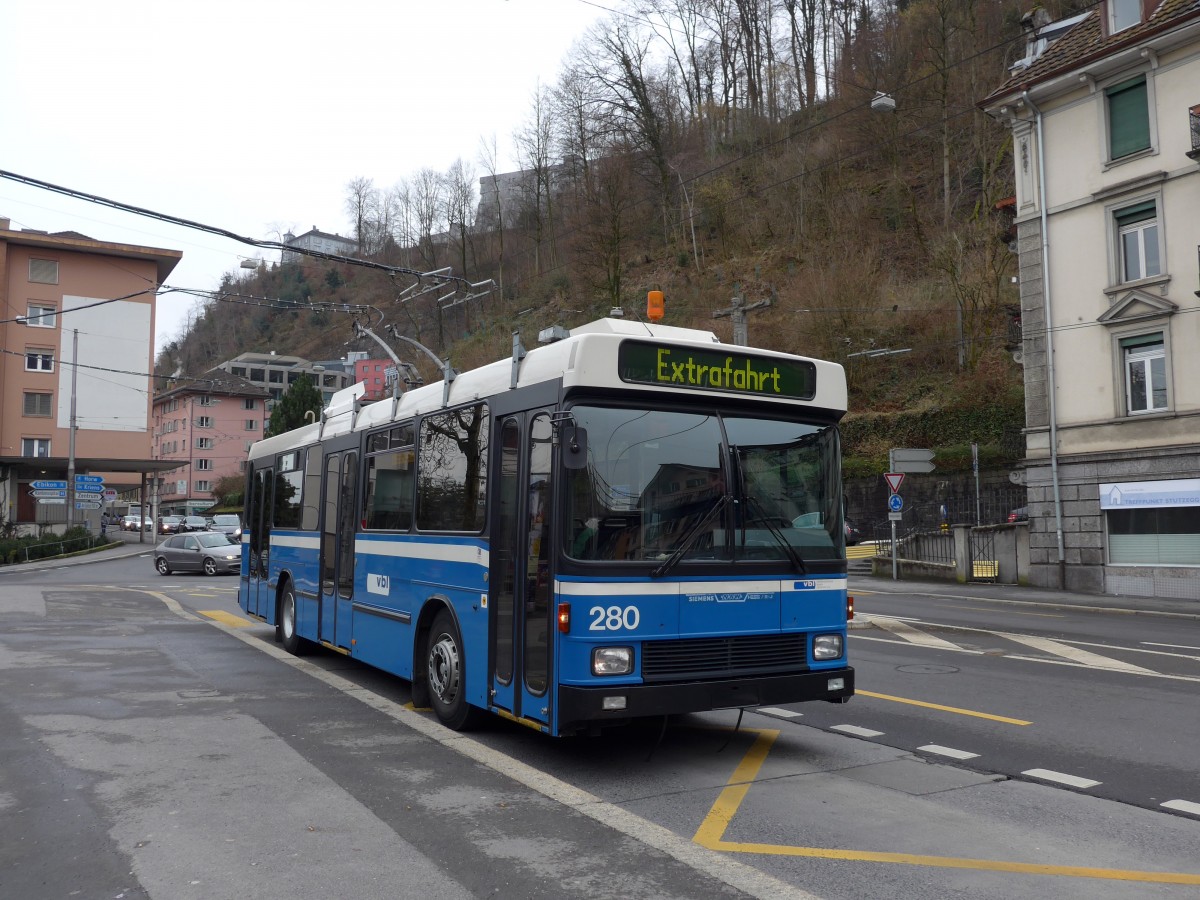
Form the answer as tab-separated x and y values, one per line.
37	404
1128	118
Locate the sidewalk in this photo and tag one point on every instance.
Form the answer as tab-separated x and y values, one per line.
1014	593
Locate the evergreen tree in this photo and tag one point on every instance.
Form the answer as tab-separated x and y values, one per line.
300	398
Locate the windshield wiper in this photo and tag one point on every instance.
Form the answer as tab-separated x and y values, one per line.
685	545
797	562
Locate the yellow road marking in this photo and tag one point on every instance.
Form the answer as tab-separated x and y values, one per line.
953	709
226	618
711	834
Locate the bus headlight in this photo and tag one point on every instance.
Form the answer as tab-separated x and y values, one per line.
612	660
827	646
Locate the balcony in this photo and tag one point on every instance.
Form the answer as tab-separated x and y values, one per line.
1194	128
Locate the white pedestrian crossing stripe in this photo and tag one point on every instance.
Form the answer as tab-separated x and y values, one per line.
913	635
1083	657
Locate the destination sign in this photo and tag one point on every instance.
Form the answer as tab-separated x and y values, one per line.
697	369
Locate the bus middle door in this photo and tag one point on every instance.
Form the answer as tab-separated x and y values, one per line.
337	548
521	582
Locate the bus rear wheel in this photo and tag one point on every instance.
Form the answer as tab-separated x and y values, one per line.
446	675
286	619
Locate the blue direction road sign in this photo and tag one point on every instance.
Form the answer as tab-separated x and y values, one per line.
58	493
88	495
895	503
48	485
87	504
88	479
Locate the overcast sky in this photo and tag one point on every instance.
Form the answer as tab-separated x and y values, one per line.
253	116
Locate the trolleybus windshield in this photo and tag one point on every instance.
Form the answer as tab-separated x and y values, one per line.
653	477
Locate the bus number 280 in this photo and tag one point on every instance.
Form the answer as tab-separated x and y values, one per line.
614	618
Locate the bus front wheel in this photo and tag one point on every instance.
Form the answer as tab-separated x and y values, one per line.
445	674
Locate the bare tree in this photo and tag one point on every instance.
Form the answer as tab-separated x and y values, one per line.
460	204
488	156
361	199
428	206
534	146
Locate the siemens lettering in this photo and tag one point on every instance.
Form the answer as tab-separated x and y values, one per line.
698	374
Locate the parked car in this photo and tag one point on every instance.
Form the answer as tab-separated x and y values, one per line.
1020	514
194	523
227	524
170	524
207	552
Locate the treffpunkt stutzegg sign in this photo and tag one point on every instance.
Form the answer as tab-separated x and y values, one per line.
668	365
1145	494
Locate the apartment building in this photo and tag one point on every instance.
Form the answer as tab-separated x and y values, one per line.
204	427
67	298
275	373
1105	115
320	241
376	375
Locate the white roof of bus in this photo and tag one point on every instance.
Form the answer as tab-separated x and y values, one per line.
587	357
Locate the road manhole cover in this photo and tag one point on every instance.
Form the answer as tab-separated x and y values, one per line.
927	670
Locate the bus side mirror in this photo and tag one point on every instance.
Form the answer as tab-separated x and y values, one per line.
574	447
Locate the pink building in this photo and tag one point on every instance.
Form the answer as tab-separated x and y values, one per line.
373	374
78	324
204	426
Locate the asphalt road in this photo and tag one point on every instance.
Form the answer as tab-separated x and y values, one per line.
155	744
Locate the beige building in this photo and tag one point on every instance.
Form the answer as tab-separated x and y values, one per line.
1105	115
66	298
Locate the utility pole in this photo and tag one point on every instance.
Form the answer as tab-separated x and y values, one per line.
737	310
71	439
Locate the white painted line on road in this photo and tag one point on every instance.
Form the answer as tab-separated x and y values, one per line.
855	730
948	751
1186	806
880	640
1172	646
913	635
782	713
1071	780
1093	660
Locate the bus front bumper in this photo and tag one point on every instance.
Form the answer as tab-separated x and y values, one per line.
580	706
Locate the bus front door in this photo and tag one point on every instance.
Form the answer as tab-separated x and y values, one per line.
520	578
259	595
337	548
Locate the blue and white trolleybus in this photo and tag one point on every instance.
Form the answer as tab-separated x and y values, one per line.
634	520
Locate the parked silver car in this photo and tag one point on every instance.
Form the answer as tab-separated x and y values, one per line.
204	551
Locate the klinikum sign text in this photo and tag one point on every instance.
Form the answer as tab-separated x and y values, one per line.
697	369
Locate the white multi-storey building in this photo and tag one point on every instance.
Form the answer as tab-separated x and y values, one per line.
1105	115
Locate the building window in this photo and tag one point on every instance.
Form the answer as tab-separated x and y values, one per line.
204	465
35	446
43	271
1154	537
292	378
258	374
1137	238
39	360
203	485
239	371
39	316
249	403
1145	363
252	425
204	422
37	404
275	377
1128	118
206	400
1123	14
204	443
